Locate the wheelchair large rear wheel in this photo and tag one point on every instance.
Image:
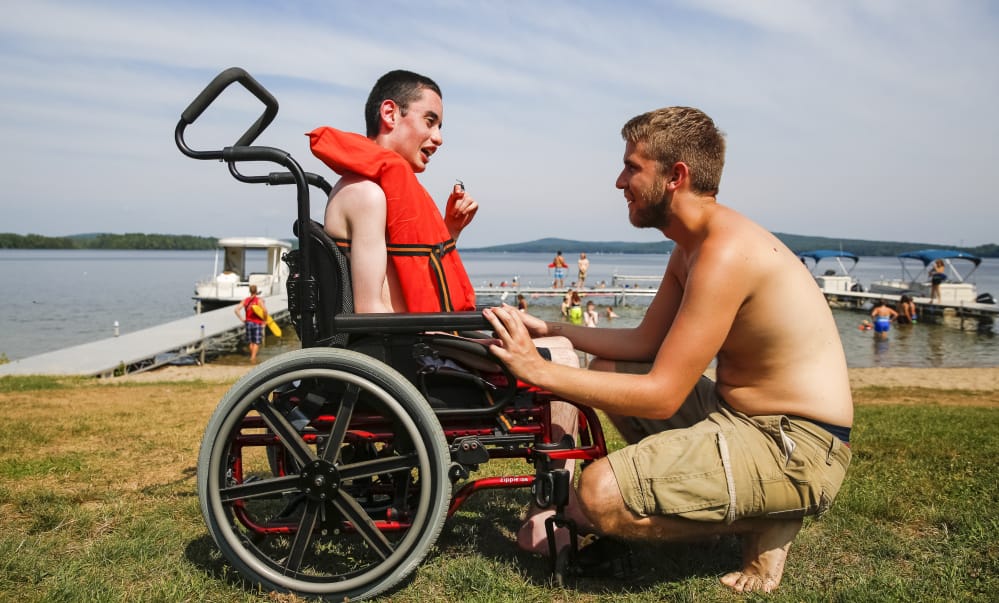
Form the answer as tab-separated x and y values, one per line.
324	472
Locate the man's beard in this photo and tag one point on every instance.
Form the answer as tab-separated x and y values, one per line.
653	207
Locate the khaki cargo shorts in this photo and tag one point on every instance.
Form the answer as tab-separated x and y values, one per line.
711	463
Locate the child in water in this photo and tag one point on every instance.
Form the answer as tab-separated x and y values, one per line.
575	310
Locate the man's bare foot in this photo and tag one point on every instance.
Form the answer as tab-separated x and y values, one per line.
764	553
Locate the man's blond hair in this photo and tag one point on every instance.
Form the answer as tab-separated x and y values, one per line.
675	134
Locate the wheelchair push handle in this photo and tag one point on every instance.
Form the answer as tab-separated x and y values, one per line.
212	92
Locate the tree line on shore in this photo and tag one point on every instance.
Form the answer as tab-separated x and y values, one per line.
133	240
798	243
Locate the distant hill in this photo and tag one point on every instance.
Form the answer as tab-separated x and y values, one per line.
797	243
550	245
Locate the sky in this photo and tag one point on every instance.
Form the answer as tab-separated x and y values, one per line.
866	119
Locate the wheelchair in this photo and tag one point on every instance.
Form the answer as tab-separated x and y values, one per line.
330	471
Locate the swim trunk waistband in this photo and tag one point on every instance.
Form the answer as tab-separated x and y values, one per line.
843	433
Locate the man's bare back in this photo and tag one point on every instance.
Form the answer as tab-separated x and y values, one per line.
779	309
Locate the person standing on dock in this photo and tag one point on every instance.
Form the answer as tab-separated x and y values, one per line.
749	454
560	265
583	265
938	274
254	320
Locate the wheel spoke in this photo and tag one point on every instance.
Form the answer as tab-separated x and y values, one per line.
302	537
343	417
377	466
291	439
268	487
353	512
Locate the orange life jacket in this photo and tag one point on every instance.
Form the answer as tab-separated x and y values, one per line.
419	245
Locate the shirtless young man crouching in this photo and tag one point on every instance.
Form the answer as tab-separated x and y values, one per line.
749	454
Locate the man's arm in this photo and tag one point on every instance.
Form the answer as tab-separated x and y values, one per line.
637	344
704	315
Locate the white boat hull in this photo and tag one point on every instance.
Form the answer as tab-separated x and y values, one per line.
950	293
837	283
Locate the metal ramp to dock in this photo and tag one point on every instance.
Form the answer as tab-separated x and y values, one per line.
138	351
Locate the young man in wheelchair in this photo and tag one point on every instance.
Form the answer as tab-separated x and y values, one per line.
401	250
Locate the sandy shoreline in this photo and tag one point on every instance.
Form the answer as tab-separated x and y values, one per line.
972	379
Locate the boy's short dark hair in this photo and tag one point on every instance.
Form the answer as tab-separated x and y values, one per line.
402	87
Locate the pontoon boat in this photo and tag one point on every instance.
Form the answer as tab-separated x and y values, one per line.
915	278
244	261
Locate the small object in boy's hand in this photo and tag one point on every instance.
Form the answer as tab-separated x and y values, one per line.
461	184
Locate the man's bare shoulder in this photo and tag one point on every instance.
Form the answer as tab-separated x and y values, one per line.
355	189
355	206
733	237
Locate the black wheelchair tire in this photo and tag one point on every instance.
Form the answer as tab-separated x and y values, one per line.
426	446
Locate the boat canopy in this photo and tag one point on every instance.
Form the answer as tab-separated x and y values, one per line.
820	254
928	256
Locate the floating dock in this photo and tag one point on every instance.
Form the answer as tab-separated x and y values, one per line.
618	296
963	315
144	349
623	287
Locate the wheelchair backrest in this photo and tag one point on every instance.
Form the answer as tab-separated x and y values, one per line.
330	270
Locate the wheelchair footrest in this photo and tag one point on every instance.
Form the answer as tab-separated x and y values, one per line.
603	558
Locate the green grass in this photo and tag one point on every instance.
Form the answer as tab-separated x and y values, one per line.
18	383
97	503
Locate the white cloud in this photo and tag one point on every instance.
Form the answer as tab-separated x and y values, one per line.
851	119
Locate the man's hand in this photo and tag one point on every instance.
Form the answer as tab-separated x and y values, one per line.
534	325
460	210
517	350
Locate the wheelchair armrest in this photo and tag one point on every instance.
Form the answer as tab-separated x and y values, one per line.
417	322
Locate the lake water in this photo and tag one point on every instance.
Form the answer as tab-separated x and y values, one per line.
62	298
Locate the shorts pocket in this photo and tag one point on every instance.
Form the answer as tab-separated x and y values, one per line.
683	475
811	476
839	462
